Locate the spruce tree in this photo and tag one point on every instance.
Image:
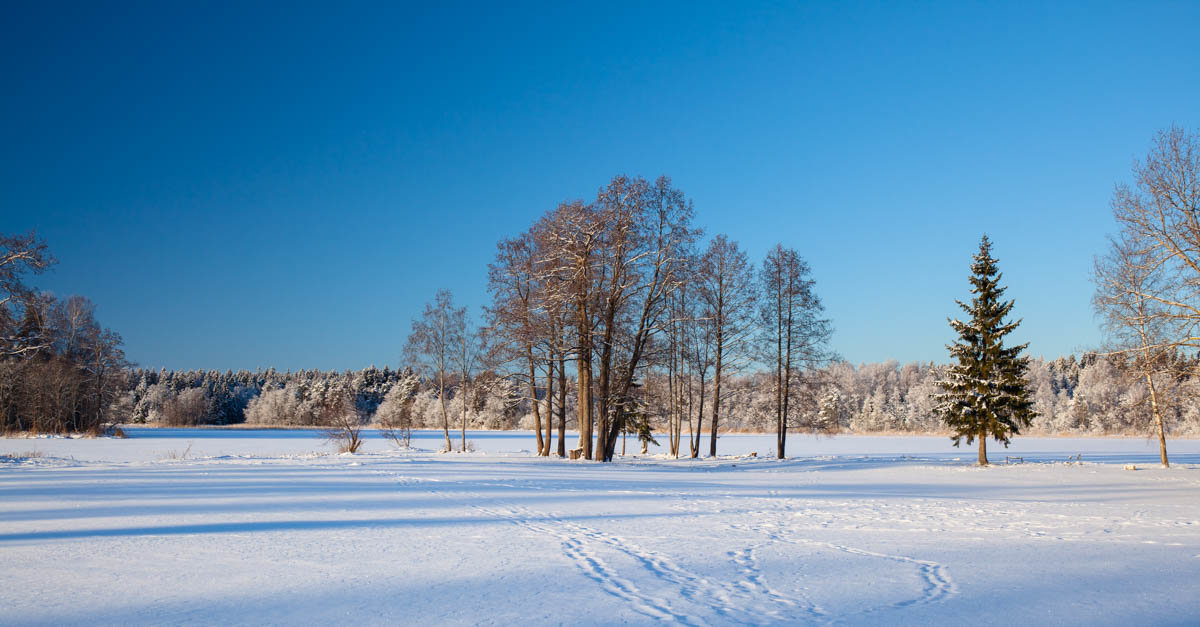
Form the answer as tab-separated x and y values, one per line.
986	392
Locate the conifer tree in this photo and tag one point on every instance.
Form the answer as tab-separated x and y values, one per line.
986	393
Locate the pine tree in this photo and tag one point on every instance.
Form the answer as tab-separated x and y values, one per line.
986	392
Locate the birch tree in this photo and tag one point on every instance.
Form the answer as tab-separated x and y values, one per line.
431	346
1138	326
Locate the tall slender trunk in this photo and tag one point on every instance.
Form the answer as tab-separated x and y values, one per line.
1148	372
445	415
537	413
673	404
712	443
680	409
465	400
545	452
780	412
605	441
584	365
787	384
699	421
1158	420
983	448
562	406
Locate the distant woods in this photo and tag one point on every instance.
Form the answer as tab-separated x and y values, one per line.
1089	395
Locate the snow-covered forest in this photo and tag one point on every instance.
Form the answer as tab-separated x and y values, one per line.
1090	395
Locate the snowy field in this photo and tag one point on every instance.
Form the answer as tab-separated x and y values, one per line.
272	527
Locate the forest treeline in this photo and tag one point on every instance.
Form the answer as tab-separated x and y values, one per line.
1089	395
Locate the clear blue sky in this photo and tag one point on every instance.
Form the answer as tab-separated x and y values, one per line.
284	186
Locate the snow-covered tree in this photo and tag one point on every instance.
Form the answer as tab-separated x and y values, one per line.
986	393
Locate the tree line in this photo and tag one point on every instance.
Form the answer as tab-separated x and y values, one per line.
1091	394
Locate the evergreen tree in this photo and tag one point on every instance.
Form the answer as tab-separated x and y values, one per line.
986	392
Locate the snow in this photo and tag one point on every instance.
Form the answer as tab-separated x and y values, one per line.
272	527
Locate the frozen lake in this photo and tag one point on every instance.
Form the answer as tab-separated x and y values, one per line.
175	526
148	444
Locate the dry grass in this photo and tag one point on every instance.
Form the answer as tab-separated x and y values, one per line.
34	454
179	455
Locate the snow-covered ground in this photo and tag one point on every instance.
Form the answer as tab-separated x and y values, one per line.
271	527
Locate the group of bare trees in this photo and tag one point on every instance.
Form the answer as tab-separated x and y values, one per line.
619	289
445	347
1148	283
60	371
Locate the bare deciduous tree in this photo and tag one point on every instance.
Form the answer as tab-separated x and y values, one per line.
344	422
431	347
795	333
517	318
1138	326
468	345
727	288
1148	285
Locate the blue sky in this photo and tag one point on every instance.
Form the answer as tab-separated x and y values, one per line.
280	186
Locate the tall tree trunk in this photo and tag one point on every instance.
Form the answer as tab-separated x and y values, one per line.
1148	372
780	412
537	413
787	385
584	364
445	415
699	422
545	452
712	443
465	400
983	448
605	441
672	406
562	406
1158	420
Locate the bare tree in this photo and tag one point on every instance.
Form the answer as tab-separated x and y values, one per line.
1138	326
467	348
795	333
19	255
1161	212
572	238
728	290
649	242
343	422
1148	286
431	347
517	318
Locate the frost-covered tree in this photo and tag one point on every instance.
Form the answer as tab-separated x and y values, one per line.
986	392
394	414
